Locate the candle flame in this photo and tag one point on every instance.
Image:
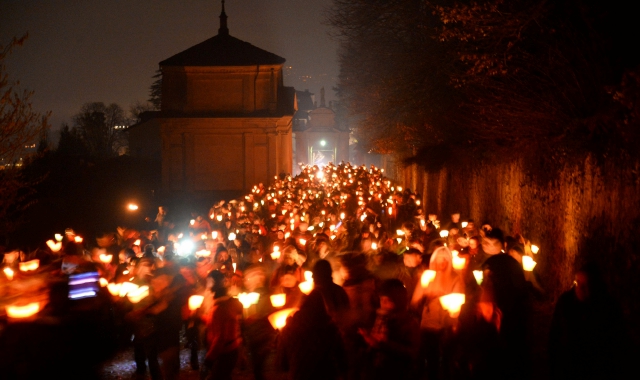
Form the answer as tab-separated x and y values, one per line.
25	311
527	263
195	302
278	300
279	319
29	265
452	303
534	249
426	278
9	273
54	246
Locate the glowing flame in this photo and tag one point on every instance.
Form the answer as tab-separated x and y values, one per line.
444	233
214	234
114	288
308	275
195	302
400	232
302	241
390	210
29	265
137	242
278	300
219	217
279	319
103	282
452	303
534	249
464	224
106	258
25	311
457	261
127	287
192	222
58	237
203	253
232	236
427	277
374	246
132	206
203	237
527	263
78	239
53	246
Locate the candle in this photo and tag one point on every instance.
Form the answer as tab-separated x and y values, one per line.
24	311
9	273
106	258
58	237
478	274
308	275
103	282
232	236
452	303
138	294
427	277
527	263
306	287
464	224
444	233
78	239
29	265
279	319
278	300
127	287
534	249
54	246
114	288
195	302
457	261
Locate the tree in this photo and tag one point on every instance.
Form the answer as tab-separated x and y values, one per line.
20	126
155	91
101	129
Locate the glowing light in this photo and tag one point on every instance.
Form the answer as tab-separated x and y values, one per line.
527	263
323	143
478	274
219	217
114	288
78	239
29	265
457	261
192	222
535	249
342	215
127	287
232	236
400	232
302	241
308	275
214	234
203	237
138	294
9	273
444	233
53	246
195	302
25	311
427	277
137	242
390	210
306	287
234	265
103	282
374	246
132	206
58	237
203	253
106	258
464	224
278	300
452	303
279	319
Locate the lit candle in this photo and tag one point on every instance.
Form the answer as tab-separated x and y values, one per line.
427	276
457	261
78	239
278	300
452	303
24	311
114	288
232	236
478	274
138	294
9	273
195	302
306	287
534	249
58	237
106	258
464	224
29	265
308	275
527	263
103	282
54	246
279	319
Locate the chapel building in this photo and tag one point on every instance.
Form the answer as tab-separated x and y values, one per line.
225	121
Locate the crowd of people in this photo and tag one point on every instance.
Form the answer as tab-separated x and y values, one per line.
334	273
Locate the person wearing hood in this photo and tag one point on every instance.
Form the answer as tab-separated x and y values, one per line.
436	324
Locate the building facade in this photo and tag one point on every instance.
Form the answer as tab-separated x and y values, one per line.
225	122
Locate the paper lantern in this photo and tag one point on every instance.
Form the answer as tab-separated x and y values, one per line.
527	263
78	239
308	275
458	262
278	300
452	303
195	302
534	249
114	288
444	233
58	237
427	277
106	258
279	319
464	224
103	282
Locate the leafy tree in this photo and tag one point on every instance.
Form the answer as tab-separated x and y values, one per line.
100	128
20	126
155	91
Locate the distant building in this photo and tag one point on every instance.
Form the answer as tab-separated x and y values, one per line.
317	137
226	118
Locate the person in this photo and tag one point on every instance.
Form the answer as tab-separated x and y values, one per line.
394	339
222	330
310	345
588	337
436	324
335	298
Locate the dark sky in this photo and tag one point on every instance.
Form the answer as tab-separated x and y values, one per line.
108	50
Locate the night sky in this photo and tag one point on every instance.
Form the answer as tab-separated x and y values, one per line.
108	50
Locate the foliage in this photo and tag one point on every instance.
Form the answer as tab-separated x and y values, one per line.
490	79
95	125
155	91
20	126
